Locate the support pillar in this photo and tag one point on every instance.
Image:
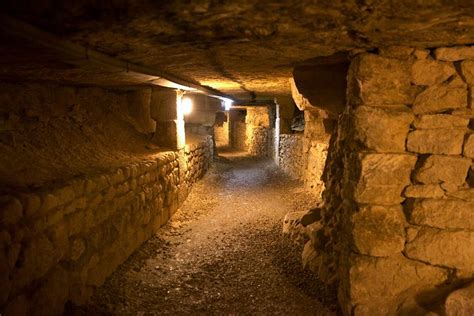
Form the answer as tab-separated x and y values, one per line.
167	112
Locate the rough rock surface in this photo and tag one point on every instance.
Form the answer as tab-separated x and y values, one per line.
292	226
393	280
291	154
436	141
468	150
246	48
378	165
379	231
382	130
440	121
453	249
52	124
389	173
465	194
441	97
81	188
424	191
454	53
445	214
460	302
443	169
467	69
381	81
428	72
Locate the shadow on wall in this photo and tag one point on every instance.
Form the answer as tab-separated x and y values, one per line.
323	85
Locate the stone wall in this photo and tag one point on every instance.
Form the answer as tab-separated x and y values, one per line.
397	232
319	119
86	188
49	132
61	242
259	132
221	130
317	133
240	136
303	156
258	141
197	159
291	155
251	131
238	129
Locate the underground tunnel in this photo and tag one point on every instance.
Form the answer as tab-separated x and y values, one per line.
237	157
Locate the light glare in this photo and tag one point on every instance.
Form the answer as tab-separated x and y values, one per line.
187	106
227	104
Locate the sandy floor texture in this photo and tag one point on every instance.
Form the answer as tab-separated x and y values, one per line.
223	253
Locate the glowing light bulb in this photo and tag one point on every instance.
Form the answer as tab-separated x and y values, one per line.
186	106
227	104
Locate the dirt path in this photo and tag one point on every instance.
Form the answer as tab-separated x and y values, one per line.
222	253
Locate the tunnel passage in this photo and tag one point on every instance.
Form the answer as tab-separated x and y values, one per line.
110	113
222	252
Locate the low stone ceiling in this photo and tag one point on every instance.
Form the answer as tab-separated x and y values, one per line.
242	47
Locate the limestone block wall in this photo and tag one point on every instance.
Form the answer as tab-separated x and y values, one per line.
258	132
60	242
251	131
397	232
258	141
197	157
315	149
221	131
238	129
239	132
291	155
318	126
81	188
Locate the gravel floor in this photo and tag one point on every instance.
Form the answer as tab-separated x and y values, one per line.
222	254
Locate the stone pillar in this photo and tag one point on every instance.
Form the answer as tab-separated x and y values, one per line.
167	112
328	98
222	130
138	102
398	221
238	129
170	132
317	133
258	131
276	136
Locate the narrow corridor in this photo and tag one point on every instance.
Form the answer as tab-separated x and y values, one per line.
223	253
352	118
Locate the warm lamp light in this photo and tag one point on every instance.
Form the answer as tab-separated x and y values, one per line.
227	104
186	106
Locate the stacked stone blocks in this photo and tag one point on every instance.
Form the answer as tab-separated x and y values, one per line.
258	131
59	242
398	231
291	155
